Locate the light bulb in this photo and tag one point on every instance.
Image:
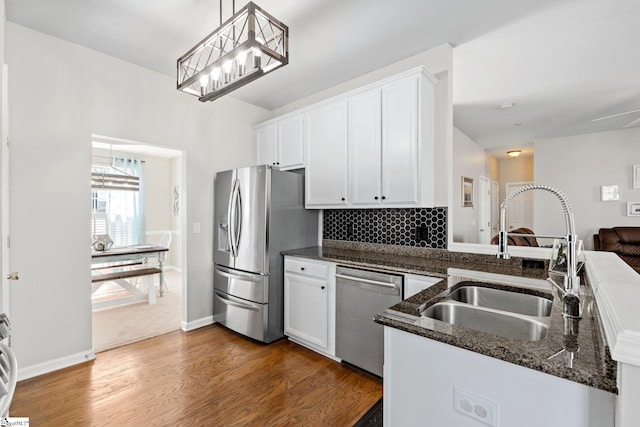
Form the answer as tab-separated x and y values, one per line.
215	77
203	84
242	60
242	57
226	68
257	57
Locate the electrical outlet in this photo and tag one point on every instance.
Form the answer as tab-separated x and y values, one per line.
476	407
350	229
422	233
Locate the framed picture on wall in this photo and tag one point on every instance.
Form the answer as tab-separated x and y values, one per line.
636	176
467	192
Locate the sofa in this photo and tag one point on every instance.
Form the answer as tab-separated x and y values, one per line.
624	241
518	240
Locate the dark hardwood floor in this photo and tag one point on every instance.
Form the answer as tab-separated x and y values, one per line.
206	377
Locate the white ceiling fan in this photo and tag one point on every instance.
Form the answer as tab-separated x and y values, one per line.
632	123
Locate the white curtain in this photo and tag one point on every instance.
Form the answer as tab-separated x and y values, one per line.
127	207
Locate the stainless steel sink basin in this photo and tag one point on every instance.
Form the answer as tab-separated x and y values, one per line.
495	322
513	302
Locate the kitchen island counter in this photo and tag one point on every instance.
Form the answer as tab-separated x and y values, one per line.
580	356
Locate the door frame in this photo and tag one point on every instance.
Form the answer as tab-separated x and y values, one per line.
484	210
5	267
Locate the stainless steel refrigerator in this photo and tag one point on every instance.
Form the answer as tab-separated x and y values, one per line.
259	212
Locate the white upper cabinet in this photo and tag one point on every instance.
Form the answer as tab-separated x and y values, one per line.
400	145
371	147
326	140
280	143
266	140
384	145
390	146
364	148
290	142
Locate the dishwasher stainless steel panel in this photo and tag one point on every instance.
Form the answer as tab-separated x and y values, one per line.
360	294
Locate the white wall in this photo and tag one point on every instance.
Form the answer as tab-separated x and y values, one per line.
60	94
519	169
579	165
469	160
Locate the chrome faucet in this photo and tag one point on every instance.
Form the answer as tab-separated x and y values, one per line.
570	288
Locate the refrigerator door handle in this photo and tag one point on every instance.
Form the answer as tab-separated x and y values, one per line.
244	305
237	276
238	218
231	215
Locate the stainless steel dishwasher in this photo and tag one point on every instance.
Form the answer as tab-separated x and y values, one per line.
360	294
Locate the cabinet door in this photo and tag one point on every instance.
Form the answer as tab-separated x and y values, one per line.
326	141
266	140
400	142
364	148
290	143
305	309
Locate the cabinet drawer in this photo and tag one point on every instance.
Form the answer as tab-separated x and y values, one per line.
307	268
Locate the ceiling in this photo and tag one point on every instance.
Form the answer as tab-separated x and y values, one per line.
561	63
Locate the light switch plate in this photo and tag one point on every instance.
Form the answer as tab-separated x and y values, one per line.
196	228
609	193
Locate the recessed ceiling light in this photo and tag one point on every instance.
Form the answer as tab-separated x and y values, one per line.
507	105
514	153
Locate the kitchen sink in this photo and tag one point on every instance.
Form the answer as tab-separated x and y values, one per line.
504	324
513	302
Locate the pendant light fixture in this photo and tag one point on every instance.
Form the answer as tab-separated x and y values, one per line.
247	46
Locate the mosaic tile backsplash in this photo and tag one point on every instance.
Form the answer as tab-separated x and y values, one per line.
423	227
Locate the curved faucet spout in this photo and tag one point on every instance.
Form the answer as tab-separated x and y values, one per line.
571	293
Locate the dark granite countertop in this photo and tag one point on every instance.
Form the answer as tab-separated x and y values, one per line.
555	354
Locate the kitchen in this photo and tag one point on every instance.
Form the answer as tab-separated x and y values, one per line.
67	115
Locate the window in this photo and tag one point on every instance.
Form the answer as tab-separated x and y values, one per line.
117	213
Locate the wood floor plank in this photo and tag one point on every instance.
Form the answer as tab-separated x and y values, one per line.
210	376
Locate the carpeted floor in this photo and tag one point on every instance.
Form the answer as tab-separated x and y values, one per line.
116	326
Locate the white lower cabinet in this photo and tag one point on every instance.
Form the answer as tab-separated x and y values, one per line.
309	303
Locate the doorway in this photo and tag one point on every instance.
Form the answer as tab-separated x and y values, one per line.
520	212
149	214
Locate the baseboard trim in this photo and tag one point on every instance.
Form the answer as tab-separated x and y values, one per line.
195	324
55	364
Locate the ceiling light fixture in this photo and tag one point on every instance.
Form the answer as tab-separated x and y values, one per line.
247	46
514	153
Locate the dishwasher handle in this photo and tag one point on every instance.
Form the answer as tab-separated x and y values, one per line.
370	284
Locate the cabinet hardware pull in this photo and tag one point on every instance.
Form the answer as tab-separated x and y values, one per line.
322	287
376	198
342	199
383	197
301	268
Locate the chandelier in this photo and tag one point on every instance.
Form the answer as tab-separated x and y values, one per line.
247	46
